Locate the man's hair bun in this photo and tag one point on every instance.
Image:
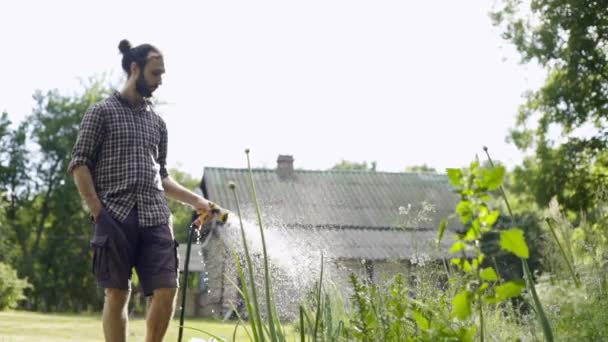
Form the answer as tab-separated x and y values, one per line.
124	46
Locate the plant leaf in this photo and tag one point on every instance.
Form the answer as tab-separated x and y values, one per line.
509	289
513	240
457	247
465	211
466	266
455	176
490	218
461	305
442	226
422	322
492	178
488	274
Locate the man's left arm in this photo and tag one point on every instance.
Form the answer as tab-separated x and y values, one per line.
172	188
177	192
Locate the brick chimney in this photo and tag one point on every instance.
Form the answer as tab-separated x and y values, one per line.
285	166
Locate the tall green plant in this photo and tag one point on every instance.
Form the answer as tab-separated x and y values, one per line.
474	185
542	316
272	329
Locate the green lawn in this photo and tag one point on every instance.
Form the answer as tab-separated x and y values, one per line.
18	326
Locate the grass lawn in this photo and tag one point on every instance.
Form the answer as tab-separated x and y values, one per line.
21	326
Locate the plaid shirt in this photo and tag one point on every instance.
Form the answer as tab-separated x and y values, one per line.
125	148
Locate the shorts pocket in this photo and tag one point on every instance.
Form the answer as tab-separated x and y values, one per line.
164	259
101	267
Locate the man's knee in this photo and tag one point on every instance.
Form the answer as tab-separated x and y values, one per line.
165	294
165	297
116	297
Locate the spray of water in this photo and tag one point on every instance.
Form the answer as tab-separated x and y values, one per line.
294	266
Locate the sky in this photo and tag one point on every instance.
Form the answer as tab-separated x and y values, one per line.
397	82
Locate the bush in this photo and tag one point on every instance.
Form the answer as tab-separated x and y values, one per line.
11	287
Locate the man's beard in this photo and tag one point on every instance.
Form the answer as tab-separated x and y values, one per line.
142	88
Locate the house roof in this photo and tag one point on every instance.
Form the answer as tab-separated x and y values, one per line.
347	214
336	199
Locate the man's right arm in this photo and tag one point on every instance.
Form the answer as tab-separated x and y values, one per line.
86	188
90	136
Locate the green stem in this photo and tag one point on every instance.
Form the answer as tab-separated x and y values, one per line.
561	249
319	293
256	317
272	328
481	324
479	299
544	322
302	336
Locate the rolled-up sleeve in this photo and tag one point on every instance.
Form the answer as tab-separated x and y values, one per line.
162	151
89	138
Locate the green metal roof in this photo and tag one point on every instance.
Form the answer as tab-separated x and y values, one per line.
336	198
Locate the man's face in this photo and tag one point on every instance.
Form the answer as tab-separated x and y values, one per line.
151	77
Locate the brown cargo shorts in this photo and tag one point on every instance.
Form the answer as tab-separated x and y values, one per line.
118	247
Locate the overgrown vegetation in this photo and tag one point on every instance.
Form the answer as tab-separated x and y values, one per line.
11	287
476	302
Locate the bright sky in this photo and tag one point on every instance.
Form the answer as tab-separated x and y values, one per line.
399	82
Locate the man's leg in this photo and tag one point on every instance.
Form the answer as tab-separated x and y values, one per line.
160	312
115	316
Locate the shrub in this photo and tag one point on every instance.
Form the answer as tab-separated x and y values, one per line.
11	287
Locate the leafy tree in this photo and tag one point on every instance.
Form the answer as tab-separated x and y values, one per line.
182	214
42	211
350	165
569	39
15	188
420	169
11	287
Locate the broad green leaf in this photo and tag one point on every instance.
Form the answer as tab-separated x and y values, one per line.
442	225
474	164
509	289
456	261
484	197
469	334
465	211
490	218
473	233
513	240
488	274
466	266
455	176
492	178
482	288
483	210
457	247
461	305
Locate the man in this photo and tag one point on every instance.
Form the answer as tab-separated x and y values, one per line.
119	167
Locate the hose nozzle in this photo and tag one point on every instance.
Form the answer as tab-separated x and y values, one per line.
216	214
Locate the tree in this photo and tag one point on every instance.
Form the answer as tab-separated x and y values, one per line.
420	169
349	165
13	184
569	39
42	211
182	213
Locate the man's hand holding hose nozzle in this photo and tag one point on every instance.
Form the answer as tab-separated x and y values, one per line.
215	214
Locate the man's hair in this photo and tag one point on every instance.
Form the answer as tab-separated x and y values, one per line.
138	54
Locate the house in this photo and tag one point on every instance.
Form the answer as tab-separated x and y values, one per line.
373	224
